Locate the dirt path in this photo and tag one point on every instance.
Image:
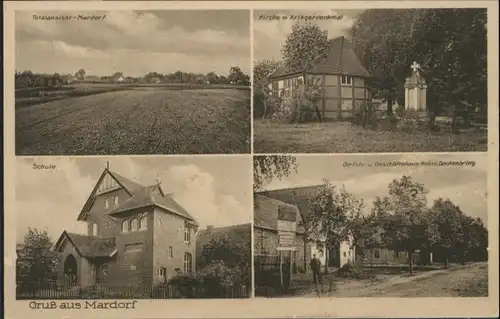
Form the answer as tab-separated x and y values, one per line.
461	281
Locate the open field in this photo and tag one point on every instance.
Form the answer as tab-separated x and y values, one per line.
137	120
470	280
342	137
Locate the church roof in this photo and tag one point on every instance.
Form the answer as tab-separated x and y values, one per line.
153	196
89	246
341	59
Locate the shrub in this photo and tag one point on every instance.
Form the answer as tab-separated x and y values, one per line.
352	270
365	115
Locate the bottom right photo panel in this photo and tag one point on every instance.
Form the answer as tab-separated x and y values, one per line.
406	225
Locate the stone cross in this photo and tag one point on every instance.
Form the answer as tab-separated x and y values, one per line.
415	66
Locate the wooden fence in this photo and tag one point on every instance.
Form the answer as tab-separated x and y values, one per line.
52	289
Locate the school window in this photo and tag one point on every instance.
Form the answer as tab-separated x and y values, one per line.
133	224
94	229
116	200
125	226
187	235
346	80
187	263
106	203
170	252
377	253
396	254
105	270
143	223
161	271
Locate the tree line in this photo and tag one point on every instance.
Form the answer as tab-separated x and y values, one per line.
27	79
401	221
449	44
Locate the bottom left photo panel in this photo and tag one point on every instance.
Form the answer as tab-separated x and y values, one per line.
133	227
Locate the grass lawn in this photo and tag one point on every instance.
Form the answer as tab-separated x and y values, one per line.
342	137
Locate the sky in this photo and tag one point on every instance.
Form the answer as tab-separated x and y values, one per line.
269	36
215	190
135	42
465	186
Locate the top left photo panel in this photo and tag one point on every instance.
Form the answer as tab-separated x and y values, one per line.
132	82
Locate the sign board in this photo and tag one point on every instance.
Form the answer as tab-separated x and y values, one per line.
287	227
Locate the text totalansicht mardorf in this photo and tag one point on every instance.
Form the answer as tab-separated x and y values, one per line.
69	17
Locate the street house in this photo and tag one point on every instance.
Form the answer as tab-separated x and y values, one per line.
135	235
269	205
342	77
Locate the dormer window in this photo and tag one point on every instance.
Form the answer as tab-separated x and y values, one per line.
346	80
125	226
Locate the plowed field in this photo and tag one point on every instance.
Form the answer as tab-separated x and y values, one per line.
138	121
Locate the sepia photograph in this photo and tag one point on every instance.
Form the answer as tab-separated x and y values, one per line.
381	226
141	228
132	82
370	80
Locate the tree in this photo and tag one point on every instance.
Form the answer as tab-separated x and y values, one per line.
233	254
305	46
212	77
331	214
80	74
236	76
37	259
408	226
449	221
456	75
267	167
382	40
261	71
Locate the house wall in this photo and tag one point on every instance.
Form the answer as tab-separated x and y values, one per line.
383	256
134	257
169	231
66	250
339	101
266	242
285	85
98	213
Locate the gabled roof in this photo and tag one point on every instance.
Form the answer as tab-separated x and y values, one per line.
266	212
89	246
128	185
153	196
340	60
298	196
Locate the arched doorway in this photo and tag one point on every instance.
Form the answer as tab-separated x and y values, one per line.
70	270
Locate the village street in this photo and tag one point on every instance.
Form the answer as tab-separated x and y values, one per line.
469	280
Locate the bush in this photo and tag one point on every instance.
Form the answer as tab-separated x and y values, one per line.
352	270
365	116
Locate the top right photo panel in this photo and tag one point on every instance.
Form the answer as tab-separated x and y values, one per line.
370	81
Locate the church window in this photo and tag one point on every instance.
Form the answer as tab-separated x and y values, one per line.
346	80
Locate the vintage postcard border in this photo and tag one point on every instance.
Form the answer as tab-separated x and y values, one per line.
331	307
